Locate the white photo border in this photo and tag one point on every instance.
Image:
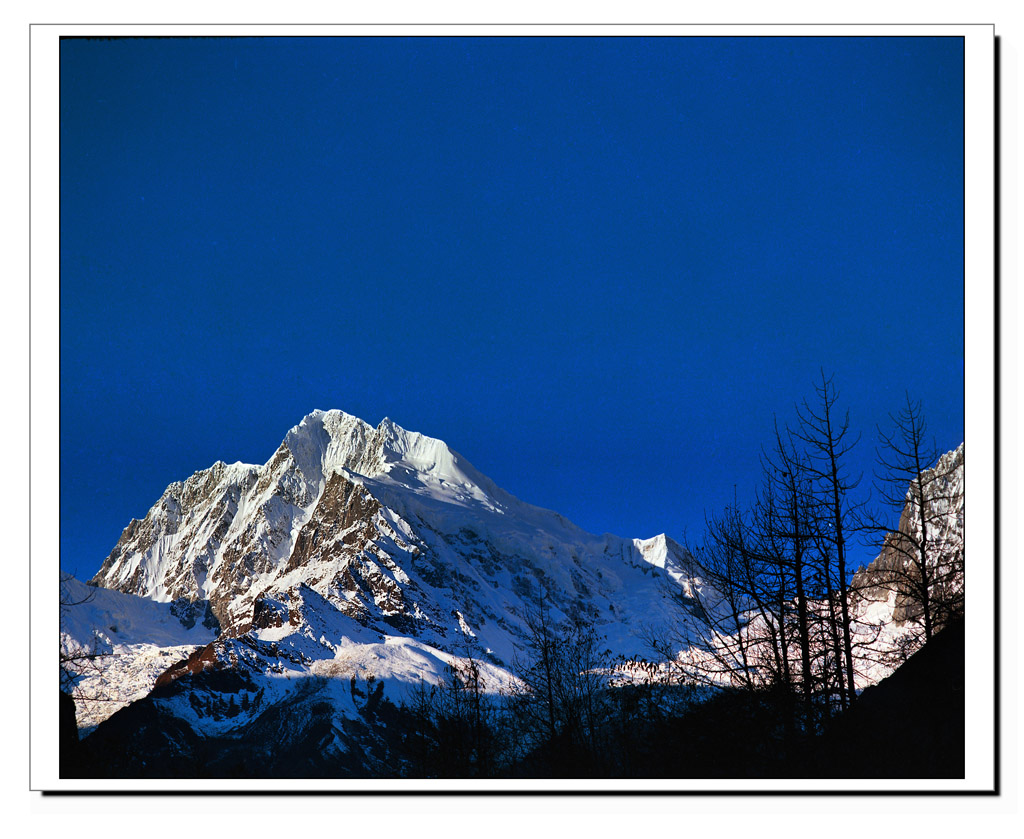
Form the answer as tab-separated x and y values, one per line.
979	383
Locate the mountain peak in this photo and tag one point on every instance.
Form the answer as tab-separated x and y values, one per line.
327	441
662	551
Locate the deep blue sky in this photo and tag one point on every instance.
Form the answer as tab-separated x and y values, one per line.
595	267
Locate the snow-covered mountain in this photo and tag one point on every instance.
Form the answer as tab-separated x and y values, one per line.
357	551
278	604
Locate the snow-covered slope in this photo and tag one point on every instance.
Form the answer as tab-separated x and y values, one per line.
117	645
360	550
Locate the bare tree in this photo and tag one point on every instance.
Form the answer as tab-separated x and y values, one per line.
826	436
722	644
533	694
758	622
456	732
554	703
77	660
788	469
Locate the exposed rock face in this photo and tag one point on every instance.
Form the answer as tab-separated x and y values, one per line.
894	575
943	490
191	520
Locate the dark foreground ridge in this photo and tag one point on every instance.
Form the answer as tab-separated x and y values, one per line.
910	725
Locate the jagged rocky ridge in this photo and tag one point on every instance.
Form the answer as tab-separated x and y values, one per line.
390	528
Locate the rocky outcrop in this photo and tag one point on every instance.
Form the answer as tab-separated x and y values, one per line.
168	554
893	575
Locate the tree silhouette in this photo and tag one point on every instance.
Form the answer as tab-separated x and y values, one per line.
827	439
